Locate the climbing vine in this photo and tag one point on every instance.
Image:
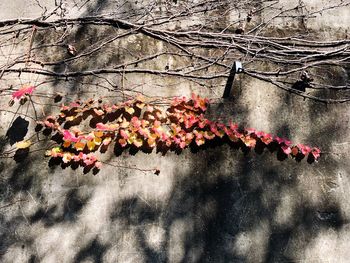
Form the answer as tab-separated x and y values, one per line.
142	124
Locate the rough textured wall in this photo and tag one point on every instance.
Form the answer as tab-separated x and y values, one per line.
215	205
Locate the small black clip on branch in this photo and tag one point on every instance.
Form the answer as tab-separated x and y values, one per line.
236	69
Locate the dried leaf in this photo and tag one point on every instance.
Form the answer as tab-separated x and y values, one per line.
72	50
23	144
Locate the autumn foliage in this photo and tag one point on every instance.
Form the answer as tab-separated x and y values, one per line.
141	124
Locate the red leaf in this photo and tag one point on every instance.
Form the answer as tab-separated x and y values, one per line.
295	151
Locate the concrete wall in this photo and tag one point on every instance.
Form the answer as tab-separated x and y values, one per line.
215	205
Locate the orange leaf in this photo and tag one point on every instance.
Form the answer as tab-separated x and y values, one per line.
66	144
79	146
122	142
98	134
151	142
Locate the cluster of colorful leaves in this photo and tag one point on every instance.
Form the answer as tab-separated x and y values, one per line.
143	125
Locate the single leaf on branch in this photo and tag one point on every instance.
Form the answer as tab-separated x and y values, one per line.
23	144
23	91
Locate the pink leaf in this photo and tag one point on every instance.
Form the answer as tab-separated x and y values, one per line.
182	145
124	134
102	127
304	149
279	140
67	136
98	165
21	92
286	149
316	152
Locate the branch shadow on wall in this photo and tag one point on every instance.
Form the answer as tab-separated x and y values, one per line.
235	213
216	209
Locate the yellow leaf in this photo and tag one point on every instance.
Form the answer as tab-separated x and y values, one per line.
23	144
91	145
130	110
248	141
132	138
138	142
97	141
113	127
124	124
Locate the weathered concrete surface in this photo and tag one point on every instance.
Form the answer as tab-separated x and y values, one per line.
215	205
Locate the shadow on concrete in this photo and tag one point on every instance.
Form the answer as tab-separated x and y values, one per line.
217	204
18	130
94	251
68	213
